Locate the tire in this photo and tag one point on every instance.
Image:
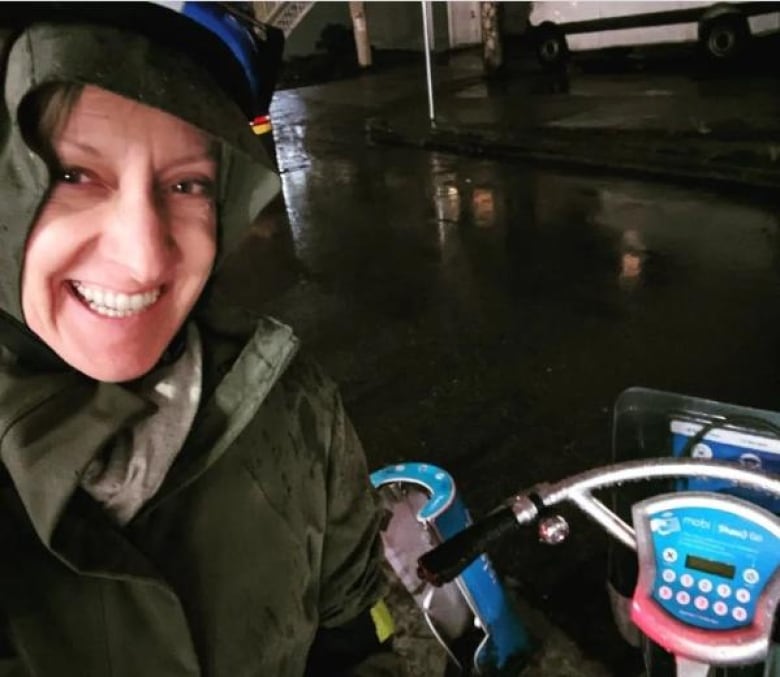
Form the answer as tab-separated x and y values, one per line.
551	48
724	39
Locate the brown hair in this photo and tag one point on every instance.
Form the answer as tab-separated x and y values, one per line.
45	114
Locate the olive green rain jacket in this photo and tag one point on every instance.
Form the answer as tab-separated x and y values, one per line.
264	531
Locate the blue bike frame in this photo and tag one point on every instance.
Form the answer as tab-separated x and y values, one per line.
442	515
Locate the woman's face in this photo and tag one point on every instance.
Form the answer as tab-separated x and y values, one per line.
125	242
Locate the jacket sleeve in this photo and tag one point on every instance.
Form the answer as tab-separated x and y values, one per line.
10	664
12	667
352	639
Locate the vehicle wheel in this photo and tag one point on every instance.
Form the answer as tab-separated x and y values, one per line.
551	48
724	39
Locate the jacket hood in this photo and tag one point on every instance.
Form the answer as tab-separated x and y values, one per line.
133	65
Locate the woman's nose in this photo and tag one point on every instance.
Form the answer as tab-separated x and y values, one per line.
139	238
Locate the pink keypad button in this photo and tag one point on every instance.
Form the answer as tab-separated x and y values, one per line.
682	597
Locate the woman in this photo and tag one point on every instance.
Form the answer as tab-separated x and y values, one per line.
180	492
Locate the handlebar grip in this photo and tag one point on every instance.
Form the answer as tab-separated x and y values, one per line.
447	560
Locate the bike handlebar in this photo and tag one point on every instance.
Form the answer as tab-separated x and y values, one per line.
444	562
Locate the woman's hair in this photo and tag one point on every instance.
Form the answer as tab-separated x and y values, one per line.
55	104
44	115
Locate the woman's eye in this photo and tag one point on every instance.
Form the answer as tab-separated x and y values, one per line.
71	175
196	187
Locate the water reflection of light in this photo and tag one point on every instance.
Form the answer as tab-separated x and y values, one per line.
447	202
442	230
446	196
631	259
483	205
294	184
631	266
446	199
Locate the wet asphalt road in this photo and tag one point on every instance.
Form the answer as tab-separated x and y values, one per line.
485	316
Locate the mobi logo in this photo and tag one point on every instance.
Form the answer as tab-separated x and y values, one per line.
664	525
697	523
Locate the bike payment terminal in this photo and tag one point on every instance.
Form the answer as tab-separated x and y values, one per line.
709	576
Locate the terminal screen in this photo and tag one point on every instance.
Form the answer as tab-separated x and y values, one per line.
709	566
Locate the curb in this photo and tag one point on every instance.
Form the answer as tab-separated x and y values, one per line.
680	157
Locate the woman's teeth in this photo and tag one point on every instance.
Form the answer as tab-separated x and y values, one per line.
115	304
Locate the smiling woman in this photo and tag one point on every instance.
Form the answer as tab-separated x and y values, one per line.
181	492
125	242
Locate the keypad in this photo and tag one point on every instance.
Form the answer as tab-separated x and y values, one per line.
709	559
684	591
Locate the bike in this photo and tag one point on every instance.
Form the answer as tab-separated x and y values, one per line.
706	547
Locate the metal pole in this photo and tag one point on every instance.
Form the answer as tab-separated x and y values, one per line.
426	39
492	49
362	43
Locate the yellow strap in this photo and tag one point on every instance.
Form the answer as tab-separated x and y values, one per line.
383	621
262	128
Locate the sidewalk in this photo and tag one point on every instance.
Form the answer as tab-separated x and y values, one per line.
672	125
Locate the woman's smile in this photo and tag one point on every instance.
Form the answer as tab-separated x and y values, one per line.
115	304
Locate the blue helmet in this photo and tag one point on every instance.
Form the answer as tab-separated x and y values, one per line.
242	54
257	47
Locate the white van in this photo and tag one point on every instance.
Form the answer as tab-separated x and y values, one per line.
723	29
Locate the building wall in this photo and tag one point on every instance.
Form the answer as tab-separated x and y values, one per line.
391	25
394	25
398	25
465	24
303	40
441	40
516	17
